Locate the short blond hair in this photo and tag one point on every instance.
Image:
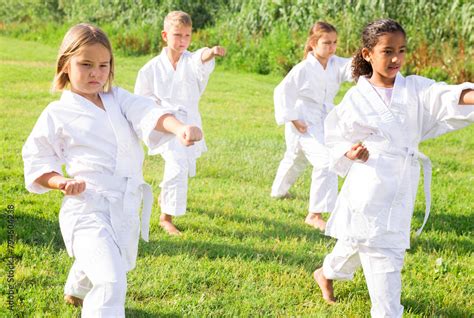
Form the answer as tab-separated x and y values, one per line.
177	18
76	38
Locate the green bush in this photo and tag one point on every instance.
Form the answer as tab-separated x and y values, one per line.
263	36
435	72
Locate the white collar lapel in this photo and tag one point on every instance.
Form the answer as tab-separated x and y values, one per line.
122	133
369	93
315	62
399	95
166	60
78	103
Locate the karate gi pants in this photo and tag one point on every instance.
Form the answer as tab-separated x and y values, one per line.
301	148
98	274
180	163
382	270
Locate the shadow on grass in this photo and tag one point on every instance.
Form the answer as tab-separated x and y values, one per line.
445	222
213	250
138	313
460	245
273	228
451	232
37	231
32	230
423	308
40	231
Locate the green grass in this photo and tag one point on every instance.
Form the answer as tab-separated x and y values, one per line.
242	253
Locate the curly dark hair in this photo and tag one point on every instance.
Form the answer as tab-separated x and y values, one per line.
370	36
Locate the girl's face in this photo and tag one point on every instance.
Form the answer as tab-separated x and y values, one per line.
386	57
177	38
326	46
89	70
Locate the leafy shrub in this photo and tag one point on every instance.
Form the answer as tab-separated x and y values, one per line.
261	35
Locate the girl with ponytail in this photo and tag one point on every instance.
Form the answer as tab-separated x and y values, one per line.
302	101
392	114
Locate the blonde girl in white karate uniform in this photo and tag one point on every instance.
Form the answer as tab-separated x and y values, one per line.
391	114
302	101
94	130
177	77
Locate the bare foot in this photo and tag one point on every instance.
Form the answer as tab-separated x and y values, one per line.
325	285
316	220
282	197
167	224
73	300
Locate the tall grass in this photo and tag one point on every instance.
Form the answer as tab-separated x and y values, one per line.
263	36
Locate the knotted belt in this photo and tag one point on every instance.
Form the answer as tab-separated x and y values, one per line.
409	154
113	187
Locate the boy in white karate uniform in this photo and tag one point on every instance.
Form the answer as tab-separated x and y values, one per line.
94	130
391	114
177	77
302	101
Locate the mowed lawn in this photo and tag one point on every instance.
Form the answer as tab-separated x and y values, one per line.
242	253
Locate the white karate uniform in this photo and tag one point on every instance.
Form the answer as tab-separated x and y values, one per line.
373	211
180	89
307	94
100	226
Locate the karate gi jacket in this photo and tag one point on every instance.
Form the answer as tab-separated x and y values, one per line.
307	92
102	148
376	202
180	89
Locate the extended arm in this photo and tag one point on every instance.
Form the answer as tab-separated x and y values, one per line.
187	134
209	53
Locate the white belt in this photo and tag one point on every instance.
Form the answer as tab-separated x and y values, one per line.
112	188
409	154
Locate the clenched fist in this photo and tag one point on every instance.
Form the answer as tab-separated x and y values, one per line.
188	134
300	126
71	186
218	51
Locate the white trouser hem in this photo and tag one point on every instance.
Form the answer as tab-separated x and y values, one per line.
329	273
110	312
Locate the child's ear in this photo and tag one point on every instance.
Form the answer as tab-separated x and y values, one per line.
366	54
164	36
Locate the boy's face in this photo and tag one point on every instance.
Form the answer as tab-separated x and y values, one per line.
177	38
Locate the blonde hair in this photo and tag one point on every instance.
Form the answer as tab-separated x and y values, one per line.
316	32
76	38
177	18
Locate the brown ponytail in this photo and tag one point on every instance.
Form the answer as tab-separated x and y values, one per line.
370	37
360	66
316	31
